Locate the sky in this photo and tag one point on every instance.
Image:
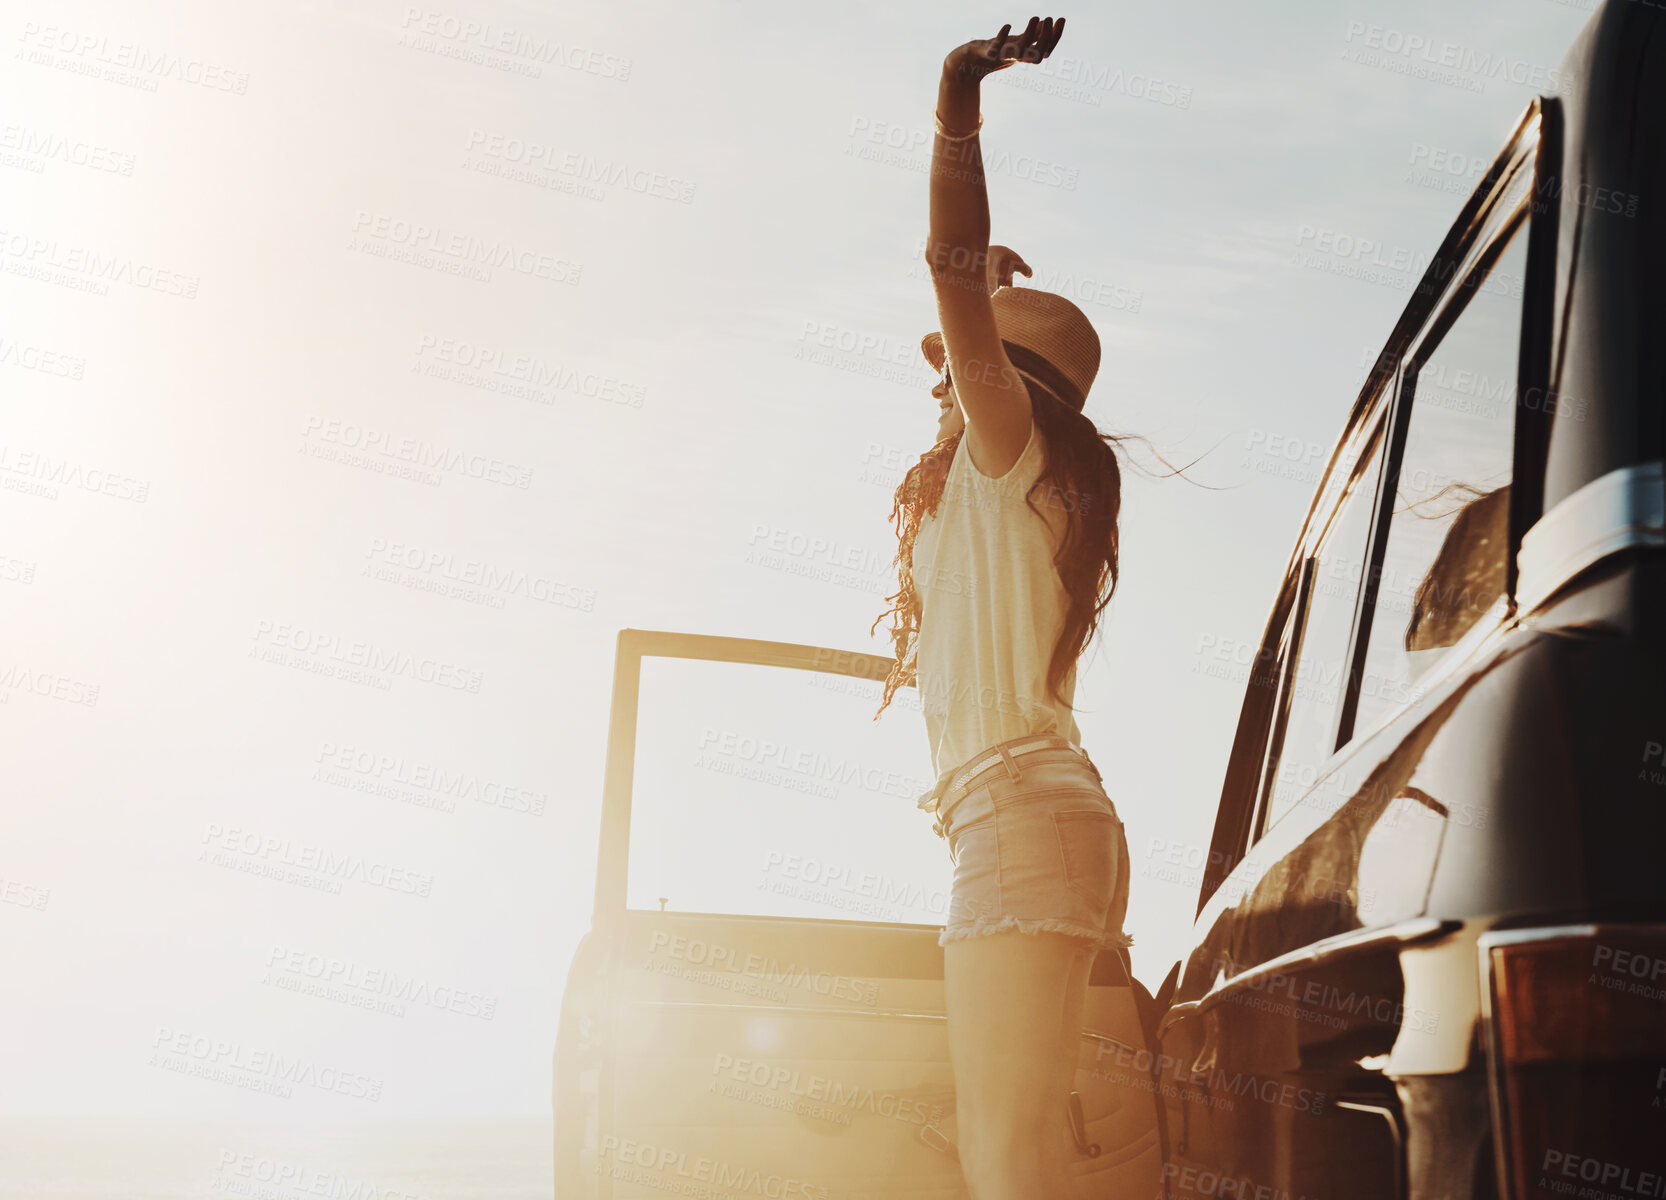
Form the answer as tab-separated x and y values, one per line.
366	367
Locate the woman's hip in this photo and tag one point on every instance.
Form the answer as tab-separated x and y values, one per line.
1053	796
1050	854
1049	775
1037	845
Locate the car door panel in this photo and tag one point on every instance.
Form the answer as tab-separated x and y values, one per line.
840	1073
724	1051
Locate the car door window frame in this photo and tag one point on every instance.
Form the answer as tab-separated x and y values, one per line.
634	645
1496	227
1286	687
1368	460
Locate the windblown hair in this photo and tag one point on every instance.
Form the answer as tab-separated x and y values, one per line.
1082	467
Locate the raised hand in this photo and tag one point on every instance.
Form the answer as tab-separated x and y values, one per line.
978	58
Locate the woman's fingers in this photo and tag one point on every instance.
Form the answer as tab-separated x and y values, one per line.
1022	45
1049	36
1058	32
1038	39
990	50
1004	261
1035	43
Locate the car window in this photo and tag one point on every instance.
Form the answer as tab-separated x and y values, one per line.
1317	684
771	791
1443	567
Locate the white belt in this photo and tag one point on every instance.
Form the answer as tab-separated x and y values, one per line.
958	776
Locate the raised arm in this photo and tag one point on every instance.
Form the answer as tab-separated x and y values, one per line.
990	392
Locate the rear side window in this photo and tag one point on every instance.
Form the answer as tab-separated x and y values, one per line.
1443	566
1317	685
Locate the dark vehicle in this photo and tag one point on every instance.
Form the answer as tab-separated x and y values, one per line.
1430	950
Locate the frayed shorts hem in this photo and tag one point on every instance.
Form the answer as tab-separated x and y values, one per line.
1095	939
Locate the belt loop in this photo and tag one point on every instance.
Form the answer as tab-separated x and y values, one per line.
1011	763
931	796
940	812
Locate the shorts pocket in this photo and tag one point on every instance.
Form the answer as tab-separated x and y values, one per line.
1087	845
956	837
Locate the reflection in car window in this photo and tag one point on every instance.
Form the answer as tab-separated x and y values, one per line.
1317	686
1444	565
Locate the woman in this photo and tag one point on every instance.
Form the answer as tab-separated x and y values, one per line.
1007	556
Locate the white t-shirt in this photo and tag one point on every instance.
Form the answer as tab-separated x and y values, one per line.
992	607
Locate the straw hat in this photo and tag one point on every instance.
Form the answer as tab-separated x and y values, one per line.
1048	339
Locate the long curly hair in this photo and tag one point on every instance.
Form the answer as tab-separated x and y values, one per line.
1082	465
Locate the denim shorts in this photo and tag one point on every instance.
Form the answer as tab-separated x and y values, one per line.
1037	846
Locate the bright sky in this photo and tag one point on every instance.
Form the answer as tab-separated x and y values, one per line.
715	213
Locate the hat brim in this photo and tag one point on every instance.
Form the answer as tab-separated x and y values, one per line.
1048	338
932	347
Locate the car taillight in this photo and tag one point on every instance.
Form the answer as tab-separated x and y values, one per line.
1577	1047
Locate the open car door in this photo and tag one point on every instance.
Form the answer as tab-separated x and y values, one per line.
757	1010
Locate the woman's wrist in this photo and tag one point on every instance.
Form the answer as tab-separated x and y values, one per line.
958	100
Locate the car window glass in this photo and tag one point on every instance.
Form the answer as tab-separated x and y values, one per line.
1321	664
771	791
1443	568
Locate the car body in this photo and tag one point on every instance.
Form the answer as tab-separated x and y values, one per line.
1429	958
